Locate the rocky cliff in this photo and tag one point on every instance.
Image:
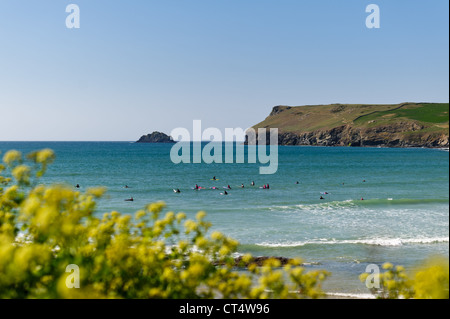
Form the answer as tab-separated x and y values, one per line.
402	125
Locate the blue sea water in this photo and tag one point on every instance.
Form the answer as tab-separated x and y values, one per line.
403	219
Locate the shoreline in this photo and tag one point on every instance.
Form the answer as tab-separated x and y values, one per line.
236	142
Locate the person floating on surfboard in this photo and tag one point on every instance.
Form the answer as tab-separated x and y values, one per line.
130	199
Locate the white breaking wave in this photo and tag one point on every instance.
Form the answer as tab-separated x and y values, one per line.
350	295
377	242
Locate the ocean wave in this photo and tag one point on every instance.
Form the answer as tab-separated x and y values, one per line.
370	241
350	295
349	203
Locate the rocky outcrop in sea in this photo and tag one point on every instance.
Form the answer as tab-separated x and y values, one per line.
156	137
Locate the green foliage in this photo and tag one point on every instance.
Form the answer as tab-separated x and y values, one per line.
431	113
428	113
429	281
43	229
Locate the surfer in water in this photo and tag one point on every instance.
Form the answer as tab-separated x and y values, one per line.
229	187
130	199
78	186
242	185
196	186
253	183
225	193
177	190
214	178
321	197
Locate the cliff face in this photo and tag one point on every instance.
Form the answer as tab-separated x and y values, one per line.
155	137
385	129
348	136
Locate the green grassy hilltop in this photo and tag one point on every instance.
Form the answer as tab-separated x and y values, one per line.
401	125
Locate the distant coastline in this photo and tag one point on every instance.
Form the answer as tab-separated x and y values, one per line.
422	125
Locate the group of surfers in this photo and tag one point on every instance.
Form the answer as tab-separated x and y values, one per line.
196	187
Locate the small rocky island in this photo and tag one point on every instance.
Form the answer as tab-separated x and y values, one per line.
156	137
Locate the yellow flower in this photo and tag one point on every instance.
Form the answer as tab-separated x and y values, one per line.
196	270
217	235
180	217
388	266
170	216
190	225
140	214
22	173
200	215
224	251
201	242
156	207
12	156
45	156
400	268
96	191
247	258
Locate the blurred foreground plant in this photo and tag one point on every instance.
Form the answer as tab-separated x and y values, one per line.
429	281
43	229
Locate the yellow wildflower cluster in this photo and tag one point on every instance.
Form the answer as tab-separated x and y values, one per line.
429	281
44	229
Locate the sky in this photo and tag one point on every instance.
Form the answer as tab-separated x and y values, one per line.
138	66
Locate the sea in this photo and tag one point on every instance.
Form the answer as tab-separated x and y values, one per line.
403	217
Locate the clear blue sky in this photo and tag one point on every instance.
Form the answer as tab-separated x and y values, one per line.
140	65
